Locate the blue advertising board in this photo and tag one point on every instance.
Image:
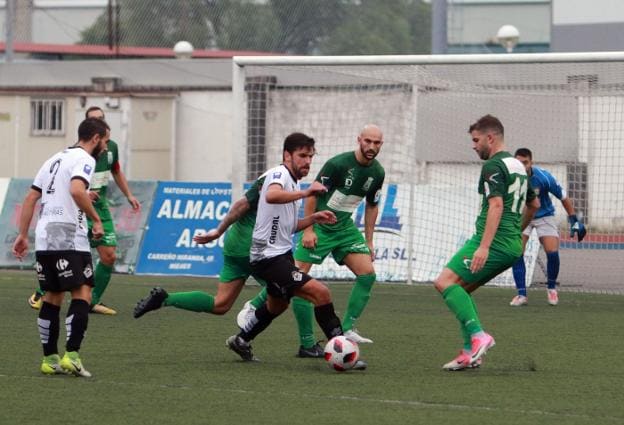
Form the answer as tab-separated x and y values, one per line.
180	211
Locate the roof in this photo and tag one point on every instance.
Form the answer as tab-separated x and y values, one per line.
121	51
129	75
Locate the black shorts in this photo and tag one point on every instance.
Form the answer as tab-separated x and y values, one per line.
281	275
60	271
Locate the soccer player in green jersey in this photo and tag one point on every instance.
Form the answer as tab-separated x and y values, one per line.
349	178
497	243
240	221
107	163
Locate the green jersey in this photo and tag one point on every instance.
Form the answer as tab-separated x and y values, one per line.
237	241
348	182
504	176
107	161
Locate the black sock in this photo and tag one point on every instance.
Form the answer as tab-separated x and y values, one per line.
48	324
264	318
327	320
76	323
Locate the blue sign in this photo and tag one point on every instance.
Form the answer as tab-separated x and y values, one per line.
179	212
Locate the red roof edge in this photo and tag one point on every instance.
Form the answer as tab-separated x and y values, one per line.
123	51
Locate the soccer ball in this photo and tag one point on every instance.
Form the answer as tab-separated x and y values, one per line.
341	353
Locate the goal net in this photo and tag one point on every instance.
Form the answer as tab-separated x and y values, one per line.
567	108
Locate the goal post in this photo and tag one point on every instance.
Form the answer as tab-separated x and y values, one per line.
567	108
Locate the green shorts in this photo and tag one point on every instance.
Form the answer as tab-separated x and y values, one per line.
237	268
338	243
497	262
110	237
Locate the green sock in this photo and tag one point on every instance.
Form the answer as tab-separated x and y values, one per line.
360	294
259	299
466	337
192	301
304	315
102	277
465	334
461	304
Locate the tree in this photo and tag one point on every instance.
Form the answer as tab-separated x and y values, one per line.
285	26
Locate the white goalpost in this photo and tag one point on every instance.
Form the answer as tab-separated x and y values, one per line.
567	108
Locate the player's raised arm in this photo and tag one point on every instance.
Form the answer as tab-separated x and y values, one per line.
277	195
238	209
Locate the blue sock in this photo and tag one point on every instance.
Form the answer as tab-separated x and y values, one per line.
552	268
519	274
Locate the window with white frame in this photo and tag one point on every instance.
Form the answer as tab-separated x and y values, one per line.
47	117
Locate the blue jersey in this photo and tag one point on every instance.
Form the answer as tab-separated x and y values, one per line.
543	183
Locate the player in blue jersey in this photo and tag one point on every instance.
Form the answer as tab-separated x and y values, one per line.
545	224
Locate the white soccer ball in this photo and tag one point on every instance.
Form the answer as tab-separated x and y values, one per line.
341	353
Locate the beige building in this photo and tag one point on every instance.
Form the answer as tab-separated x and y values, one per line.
170	118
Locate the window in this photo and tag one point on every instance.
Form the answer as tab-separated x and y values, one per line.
47	117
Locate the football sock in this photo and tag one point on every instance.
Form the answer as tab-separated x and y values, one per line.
304	315
259	299
102	278
192	301
519	275
552	268
327	320
464	331
48	323
462	305
76	323
360	294
263	319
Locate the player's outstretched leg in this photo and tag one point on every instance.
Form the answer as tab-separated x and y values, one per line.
153	301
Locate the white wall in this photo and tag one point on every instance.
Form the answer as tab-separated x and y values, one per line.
203	136
567	12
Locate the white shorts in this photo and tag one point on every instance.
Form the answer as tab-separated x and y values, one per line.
544	226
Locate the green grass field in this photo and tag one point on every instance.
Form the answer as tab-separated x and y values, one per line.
551	365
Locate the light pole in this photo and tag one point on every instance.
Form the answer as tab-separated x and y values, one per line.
507	36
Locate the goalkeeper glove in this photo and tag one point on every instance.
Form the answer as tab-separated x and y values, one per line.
577	227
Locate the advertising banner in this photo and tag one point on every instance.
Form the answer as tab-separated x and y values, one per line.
129	225
179	212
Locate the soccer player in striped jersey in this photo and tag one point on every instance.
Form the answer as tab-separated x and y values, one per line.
497	243
62	254
544	223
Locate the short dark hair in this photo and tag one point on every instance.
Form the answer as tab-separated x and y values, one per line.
488	122
524	152
90	127
295	141
91	109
